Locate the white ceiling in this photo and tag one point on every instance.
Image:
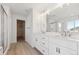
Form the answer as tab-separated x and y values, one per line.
23	8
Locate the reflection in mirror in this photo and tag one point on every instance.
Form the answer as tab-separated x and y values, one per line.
73	25
77	25
70	25
59	27
53	25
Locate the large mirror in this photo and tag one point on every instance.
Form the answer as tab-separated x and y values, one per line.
63	19
53	25
73	25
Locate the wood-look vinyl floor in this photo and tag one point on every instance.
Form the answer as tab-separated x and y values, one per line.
22	48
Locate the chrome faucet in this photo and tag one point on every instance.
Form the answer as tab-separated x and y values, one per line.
64	33
67	33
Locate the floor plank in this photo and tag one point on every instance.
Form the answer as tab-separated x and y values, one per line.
22	48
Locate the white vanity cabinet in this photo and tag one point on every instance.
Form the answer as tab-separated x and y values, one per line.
62	46
60	50
62	21
56	45
41	43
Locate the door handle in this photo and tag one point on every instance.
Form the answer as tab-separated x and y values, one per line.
58	50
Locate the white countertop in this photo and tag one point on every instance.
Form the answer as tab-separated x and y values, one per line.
55	34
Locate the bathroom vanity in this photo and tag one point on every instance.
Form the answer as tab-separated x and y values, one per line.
61	36
54	44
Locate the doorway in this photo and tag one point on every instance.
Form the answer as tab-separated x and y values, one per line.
20	30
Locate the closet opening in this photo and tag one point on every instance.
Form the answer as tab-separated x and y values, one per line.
20	30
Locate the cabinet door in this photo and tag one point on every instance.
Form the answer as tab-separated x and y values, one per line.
61	46
60	50
66	42
44	41
36	39
54	50
66	51
42	49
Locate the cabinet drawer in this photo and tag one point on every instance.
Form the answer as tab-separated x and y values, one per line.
65	43
44	38
59	50
66	51
42	49
36	41
44	44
